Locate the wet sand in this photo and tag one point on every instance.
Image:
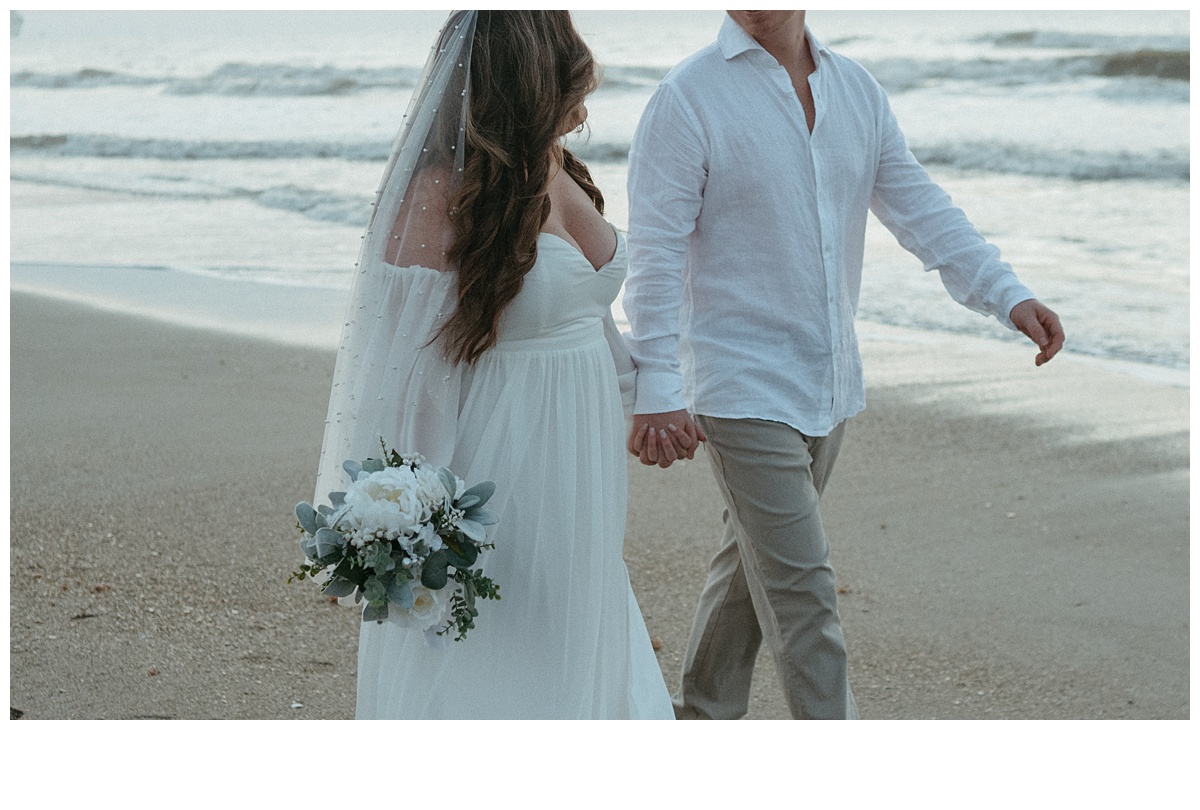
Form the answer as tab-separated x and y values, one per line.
1011	542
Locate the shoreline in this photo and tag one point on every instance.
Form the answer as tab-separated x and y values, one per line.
310	316
980	522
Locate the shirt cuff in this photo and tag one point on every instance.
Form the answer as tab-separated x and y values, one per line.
1007	294
659	392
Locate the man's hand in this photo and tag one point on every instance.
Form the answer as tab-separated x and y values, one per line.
1041	325
663	438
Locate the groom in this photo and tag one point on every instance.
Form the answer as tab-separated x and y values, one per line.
750	177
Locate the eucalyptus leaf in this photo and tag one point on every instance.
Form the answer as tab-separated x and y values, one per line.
344	569
378	556
467	501
375	591
484	490
338	587
307	517
375	613
456	559
352	468
433	573
337	498
464	557
325	509
373	465
401	593
448	480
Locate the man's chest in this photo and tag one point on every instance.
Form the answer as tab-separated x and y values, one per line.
760	147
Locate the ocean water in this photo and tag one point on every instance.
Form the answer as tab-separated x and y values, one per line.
247	146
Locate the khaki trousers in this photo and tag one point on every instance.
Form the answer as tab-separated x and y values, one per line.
770	578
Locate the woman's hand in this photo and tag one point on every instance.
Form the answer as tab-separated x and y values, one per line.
664	438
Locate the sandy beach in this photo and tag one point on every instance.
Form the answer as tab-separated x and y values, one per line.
1010	542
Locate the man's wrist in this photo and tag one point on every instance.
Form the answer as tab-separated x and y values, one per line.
658	392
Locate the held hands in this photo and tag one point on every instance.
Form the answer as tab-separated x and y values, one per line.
1041	325
664	438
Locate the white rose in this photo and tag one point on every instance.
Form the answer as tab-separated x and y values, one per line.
427	604
428	611
387	500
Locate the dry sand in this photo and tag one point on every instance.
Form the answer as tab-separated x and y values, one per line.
1011	542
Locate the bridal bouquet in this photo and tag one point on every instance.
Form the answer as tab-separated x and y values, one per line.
403	536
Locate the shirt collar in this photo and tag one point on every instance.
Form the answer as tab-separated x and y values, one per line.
734	41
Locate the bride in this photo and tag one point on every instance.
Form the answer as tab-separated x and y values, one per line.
480	335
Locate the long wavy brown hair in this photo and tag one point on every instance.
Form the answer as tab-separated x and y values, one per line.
530	71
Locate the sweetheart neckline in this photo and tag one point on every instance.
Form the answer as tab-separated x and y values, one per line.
579	253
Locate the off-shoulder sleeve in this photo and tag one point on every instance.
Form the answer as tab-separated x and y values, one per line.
391	382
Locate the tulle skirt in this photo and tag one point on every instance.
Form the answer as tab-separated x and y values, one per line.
542	418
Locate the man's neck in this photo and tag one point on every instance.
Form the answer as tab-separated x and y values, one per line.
788	43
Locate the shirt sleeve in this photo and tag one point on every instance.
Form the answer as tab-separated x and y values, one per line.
667	172
927	224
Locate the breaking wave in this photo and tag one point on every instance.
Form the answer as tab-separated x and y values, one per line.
998	157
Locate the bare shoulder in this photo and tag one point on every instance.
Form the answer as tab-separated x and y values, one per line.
571	203
574	217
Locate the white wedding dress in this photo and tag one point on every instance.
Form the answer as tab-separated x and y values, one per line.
541	415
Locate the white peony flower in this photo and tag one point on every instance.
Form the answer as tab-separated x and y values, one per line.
433	493
388	500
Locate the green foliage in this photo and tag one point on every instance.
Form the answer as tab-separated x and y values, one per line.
375	613
338	587
375	591
448	480
483	490
304	572
378	574
461	555
307	517
482	517
462	605
433	573
400	592
472	530
330	545
392	458
378	557
349	569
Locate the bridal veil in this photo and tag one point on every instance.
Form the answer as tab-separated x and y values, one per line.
409	228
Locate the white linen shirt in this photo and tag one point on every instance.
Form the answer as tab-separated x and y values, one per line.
746	236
